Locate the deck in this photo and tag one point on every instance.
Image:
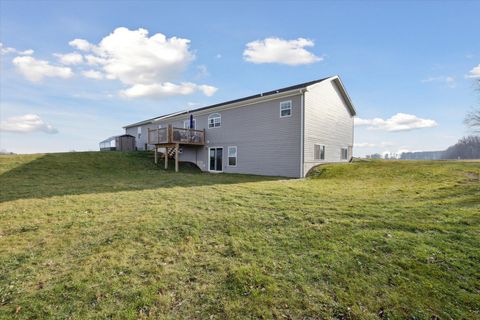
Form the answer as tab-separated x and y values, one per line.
171	138
171	135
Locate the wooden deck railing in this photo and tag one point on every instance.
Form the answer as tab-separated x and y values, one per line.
176	135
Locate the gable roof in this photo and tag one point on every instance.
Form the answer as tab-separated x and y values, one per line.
114	137
256	96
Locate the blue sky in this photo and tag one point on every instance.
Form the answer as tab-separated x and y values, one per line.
408	67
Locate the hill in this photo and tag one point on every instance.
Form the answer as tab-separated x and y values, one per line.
109	235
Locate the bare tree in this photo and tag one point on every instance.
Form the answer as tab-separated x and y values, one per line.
472	120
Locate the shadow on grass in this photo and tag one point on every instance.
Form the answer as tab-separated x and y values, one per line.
57	174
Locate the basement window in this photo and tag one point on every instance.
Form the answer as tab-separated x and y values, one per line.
344	153
319	152
285	109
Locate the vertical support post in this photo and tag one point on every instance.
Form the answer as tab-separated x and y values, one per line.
166	157
170	133
176	157
204	135
156	154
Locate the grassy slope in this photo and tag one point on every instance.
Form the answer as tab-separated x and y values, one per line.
98	235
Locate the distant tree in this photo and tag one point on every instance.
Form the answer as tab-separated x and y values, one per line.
472	120
465	148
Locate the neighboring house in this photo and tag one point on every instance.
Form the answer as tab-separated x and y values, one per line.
283	132
124	142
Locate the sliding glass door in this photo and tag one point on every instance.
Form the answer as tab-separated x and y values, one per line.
215	159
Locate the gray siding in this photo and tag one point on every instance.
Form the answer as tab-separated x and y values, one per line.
327	122
139	142
266	144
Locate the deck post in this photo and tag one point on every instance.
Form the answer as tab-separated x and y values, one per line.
166	157
176	157
170	133
156	155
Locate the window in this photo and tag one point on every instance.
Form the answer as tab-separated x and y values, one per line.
319	152
232	156
214	120
344	153
285	109
139	132
186	124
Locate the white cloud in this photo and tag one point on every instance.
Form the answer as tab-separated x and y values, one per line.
372	145
276	50
92	74
35	70
7	50
148	65
94	60
81	44
474	73
134	58
26	123
398	122
447	80
69	58
158	90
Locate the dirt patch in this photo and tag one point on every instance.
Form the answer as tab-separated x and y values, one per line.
473	177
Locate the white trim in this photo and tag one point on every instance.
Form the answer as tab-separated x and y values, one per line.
210	116
228	156
280	108
341	153
208	160
320	154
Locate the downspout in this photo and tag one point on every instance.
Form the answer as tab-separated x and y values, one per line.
302	128
353	138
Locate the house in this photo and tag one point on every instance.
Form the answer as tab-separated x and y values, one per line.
124	142
283	132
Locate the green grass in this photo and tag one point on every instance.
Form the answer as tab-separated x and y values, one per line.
108	235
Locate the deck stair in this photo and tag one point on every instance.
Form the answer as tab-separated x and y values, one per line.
172	139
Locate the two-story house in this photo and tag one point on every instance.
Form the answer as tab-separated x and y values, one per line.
283	132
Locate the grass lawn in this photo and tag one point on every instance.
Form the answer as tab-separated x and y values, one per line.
108	235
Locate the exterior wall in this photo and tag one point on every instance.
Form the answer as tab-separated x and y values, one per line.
266	144
142	140
327	121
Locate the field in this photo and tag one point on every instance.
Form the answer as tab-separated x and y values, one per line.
109	235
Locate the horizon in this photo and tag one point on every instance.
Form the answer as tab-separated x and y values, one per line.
74	73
